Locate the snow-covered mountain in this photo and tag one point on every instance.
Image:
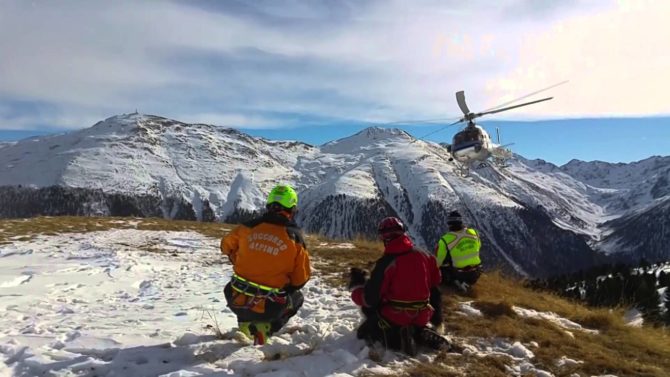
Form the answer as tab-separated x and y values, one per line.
6	143
536	218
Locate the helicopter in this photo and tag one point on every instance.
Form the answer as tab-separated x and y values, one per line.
473	144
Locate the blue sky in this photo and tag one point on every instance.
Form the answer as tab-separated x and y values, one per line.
319	70
557	141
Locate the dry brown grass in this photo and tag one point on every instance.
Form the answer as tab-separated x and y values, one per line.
334	262
452	365
617	349
25	229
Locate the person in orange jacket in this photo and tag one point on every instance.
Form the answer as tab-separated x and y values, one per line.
270	263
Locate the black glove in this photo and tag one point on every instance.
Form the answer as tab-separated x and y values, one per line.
357	277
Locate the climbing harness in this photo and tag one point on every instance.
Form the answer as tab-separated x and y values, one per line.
255	294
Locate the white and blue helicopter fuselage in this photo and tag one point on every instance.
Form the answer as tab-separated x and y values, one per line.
472	149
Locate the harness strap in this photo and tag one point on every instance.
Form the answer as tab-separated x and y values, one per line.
238	278
257	292
409	305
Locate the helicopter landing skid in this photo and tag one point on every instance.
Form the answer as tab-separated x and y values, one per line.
500	162
463	170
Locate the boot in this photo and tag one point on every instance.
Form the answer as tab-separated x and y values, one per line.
430	338
462	286
363	331
261	332
407	341
244	329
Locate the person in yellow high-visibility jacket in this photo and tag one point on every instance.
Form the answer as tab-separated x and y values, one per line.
457	253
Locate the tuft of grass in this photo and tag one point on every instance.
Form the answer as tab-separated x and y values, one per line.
495	309
600	320
452	365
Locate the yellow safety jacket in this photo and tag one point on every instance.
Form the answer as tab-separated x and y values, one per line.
462	246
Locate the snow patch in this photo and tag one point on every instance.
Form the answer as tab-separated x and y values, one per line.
633	318
552	317
343	245
465	308
565	362
17	281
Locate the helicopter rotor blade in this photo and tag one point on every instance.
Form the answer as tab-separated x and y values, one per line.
527	95
460	98
511	107
438	130
419	121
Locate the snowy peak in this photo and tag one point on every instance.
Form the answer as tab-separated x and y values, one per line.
617	175
620	187
367	139
537	164
381	132
147	154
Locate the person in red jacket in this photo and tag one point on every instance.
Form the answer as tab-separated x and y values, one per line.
395	300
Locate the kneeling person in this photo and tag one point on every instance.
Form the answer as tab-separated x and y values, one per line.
270	264
457	253
395	300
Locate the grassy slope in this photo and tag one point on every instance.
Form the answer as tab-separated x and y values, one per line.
617	349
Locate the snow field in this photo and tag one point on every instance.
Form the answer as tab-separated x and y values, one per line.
135	303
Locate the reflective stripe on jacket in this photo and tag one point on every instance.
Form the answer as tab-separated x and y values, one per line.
462	246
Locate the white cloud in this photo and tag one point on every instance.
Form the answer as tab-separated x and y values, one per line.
233	120
615	60
52	121
371	61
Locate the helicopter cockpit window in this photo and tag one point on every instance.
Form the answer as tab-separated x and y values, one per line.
466	136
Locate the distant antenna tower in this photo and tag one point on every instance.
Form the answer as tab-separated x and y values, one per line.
136	111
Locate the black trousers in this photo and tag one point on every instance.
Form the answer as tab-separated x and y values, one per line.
390	335
374	328
275	313
451	274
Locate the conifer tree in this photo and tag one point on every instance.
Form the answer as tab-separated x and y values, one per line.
667	305
647	298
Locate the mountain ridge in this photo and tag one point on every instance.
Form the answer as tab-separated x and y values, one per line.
535	217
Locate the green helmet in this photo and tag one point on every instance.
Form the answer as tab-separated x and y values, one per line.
284	195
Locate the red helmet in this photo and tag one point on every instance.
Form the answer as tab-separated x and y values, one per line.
390	228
